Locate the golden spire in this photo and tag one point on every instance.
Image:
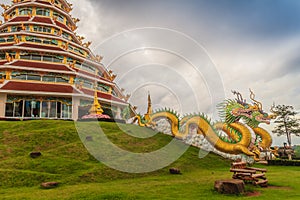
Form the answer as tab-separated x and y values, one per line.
96	107
149	110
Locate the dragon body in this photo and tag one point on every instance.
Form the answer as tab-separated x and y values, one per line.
238	138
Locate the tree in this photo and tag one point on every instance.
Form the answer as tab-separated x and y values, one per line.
287	123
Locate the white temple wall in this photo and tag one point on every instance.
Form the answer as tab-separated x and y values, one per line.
2	104
75	107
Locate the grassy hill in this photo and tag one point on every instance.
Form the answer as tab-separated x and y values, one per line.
65	160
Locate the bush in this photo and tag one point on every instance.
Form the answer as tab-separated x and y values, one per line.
284	162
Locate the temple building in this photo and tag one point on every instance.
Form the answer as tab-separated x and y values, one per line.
46	70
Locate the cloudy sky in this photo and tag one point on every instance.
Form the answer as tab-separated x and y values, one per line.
190	54
240	44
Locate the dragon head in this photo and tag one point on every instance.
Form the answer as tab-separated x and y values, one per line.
251	114
257	118
257	115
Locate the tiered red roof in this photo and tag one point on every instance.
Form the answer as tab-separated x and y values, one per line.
5	44
43	20
102	95
62	25
43	2
90	74
20	19
38	87
3	62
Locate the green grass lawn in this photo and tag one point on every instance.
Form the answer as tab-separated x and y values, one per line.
81	176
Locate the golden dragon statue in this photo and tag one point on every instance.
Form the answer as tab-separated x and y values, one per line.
238	139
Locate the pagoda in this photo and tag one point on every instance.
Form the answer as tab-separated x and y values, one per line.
47	70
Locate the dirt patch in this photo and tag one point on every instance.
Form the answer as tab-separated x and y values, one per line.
253	194
279	188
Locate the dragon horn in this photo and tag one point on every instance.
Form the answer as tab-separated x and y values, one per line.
252	97
239	96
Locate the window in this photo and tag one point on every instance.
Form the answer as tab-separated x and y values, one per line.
58	59
56	31
2	56
33	77
25	56
9	110
79	51
45	109
62	79
12	14
88	84
65	35
25	11
27	109
35	105
54	42
48	78
59	17
48	58
26	76
27	28
39	107
41	40
18	109
14	29
58	109
88	68
10	39
70	60
38	57
102	87
53	107
2	75
43	11
46	41
84	82
46	29
85	67
55	78
4	30
19	76
43	29
66	111
36	40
